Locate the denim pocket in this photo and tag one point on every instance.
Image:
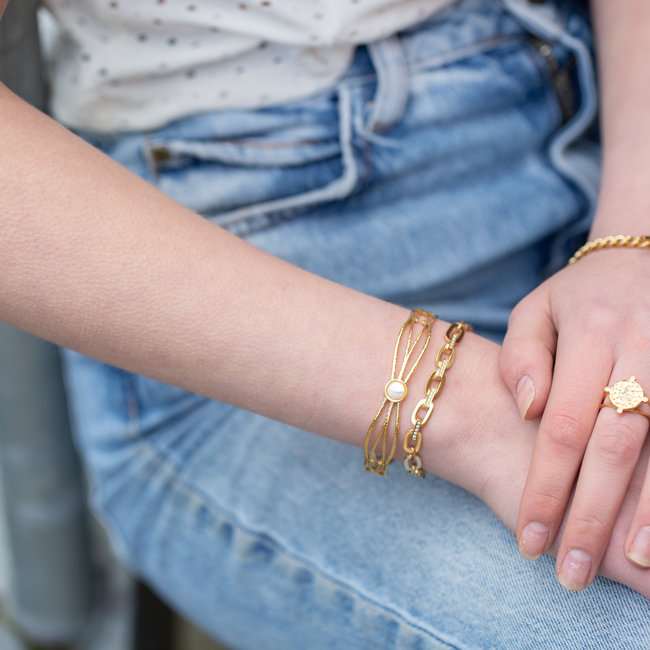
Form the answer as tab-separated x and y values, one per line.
258	167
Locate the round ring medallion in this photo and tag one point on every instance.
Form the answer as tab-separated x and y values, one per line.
626	394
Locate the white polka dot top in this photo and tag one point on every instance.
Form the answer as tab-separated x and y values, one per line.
123	65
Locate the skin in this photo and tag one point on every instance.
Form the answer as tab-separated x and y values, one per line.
586	328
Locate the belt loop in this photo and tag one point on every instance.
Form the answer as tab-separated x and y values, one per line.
390	65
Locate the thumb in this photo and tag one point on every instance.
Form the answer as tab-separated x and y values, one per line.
527	355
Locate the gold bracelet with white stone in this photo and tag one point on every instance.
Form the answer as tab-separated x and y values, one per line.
381	439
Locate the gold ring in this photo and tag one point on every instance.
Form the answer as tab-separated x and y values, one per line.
625	395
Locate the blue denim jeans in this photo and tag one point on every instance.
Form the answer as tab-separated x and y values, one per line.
452	169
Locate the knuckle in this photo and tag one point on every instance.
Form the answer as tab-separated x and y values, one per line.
547	502
600	317
520	315
511	357
593	325
588	527
618	443
566	432
642	336
547	505
520	308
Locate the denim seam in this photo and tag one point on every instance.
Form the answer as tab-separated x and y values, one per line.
488	45
219	511
550	96
449	57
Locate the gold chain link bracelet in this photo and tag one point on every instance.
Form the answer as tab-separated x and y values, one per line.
435	384
377	453
611	241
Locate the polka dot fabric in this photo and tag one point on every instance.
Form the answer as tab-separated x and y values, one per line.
124	65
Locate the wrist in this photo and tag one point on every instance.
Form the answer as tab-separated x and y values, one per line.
474	422
475	437
622	210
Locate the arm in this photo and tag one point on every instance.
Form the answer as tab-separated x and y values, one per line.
591	321
97	260
624	51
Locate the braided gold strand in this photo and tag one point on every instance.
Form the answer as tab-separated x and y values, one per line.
611	241
377	454
435	384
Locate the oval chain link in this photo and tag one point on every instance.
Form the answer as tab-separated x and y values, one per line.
446	357
431	389
412	441
456	331
425	418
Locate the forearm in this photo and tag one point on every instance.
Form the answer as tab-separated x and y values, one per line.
97	260
623	50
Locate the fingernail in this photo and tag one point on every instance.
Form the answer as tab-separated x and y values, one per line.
525	395
639	552
575	570
533	540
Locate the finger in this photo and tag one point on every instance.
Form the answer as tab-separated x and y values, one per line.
637	544
526	357
611	457
581	370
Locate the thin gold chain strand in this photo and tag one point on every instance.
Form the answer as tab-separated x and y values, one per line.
434	386
377	455
611	241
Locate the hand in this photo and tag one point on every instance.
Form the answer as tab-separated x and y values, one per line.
502	474
587	328
482	445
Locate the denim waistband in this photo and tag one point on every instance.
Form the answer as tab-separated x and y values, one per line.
467	27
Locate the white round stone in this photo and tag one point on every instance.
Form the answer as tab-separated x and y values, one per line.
395	390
